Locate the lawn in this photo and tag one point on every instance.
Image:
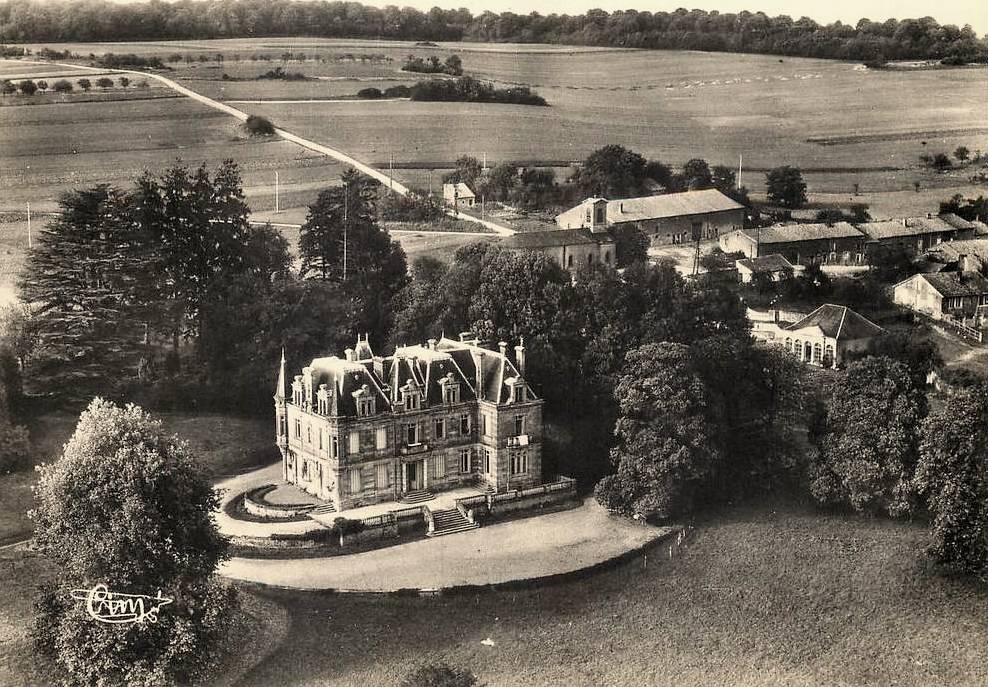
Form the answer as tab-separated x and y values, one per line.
762	596
224	444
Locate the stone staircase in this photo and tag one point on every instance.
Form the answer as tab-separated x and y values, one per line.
420	496
450	522
324	509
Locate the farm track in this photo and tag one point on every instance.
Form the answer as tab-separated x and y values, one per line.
288	136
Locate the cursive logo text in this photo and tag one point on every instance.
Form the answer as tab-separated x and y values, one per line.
111	607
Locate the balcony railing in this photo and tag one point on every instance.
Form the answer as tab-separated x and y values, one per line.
520	440
409	449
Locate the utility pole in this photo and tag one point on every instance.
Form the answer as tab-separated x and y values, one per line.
277	190
29	243
346	206
391	172
740	160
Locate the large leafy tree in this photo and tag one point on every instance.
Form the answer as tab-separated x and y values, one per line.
868	450
421	305
129	507
90	284
612	172
663	452
952	475
786	187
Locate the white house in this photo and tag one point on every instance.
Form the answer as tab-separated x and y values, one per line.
458	195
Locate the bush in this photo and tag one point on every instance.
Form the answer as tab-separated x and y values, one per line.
42	85
439	675
280	74
28	87
469	90
397	92
62	86
7	87
259	126
104	82
15	447
369	93
130	60
123	81
85	84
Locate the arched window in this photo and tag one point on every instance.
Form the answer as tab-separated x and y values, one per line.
569	261
788	344
607	257
828	355
817	353
798	350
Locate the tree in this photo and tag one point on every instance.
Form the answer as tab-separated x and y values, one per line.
28	87
941	162
85	84
439	675
467	171
85	278
663	451
454	65
501	180
128	506
697	175
123	81
611	172
259	126
62	86
630	244
724	179
786	187
962	153
421	304
104	82
7	87
42	85
868	451
952	475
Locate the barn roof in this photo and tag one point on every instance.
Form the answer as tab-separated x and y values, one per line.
790	233
839	322
669	205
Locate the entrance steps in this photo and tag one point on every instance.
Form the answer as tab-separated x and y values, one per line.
419	496
450	522
324	509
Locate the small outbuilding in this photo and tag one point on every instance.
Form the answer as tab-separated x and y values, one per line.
458	195
828	334
775	267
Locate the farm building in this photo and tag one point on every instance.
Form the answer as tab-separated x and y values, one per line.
800	244
458	195
916	234
957	296
669	218
824	337
952	252
776	267
570	248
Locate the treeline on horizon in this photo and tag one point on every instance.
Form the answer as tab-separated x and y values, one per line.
744	32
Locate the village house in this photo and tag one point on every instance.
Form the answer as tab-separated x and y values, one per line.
959	295
775	267
668	218
365	429
915	234
458	195
826	336
839	243
570	248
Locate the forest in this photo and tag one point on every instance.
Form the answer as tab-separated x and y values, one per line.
744	32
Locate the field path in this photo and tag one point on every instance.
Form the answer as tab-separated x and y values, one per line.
287	135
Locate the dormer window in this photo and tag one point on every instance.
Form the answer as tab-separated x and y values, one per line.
322	398
366	405
451	389
411	397
517	390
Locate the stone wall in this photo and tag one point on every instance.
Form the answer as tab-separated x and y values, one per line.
255	504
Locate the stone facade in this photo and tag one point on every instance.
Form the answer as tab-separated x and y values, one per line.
365	429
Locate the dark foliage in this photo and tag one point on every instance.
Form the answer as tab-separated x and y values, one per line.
259	126
130	61
469	90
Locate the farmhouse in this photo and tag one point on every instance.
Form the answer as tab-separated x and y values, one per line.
669	218
774	267
800	244
827	335
458	195
916	234
365	429
570	248
957	296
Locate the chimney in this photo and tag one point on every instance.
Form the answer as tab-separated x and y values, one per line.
520	355
431	344
466	337
621	206
503	347
350	355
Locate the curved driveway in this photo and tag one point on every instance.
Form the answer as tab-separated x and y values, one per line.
287	135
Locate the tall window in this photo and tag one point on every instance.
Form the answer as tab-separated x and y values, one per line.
308	434
365	407
483	425
519	462
519	425
438	466
298	429
464	460
355	483
440	428
334	446
305	469
411	433
451	394
464	424
381	438
382	481
320	438
411	400
354	442
487	461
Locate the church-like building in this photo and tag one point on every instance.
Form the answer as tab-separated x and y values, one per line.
365	429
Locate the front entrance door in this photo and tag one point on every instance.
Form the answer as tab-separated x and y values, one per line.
413	472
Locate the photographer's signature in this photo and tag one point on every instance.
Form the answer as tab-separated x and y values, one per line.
115	608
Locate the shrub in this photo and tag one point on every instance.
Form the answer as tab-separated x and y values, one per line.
123	81
42	85
85	84
7	87
130	60
397	92
15	447
259	126
62	86
28	87
439	675
369	93
104	82
469	90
